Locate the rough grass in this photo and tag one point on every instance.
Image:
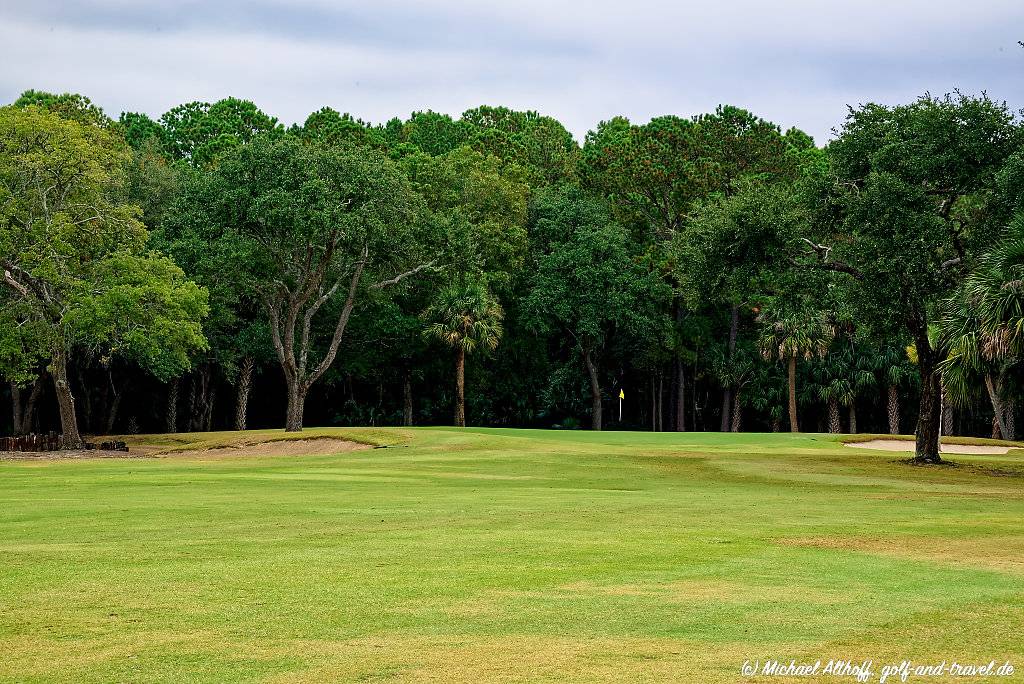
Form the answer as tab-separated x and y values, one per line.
503	556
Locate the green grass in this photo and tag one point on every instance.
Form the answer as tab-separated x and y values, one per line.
504	555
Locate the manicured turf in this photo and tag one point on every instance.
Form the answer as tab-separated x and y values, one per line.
502	555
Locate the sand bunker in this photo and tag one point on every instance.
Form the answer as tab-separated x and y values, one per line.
908	445
317	446
66	454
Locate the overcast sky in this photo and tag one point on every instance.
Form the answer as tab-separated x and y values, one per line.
796	62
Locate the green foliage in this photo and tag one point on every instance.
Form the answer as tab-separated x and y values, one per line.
306	229
729	249
635	251
903	174
434	134
539	144
655	173
24	339
75	262
588	282
329	127
800	333
982	324
67	106
153	182
140	131
995	292
465	317
282	199
479	207
145	311
199	132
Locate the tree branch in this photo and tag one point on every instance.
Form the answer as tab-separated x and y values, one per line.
21	289
402	276
949	263
307	323
339	330
823	263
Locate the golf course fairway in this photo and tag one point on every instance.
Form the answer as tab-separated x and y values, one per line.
491	555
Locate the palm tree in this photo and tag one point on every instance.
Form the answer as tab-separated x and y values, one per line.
861	374
996	289
834	388
973	358
464	317
791	337
894	368
765	392
982	326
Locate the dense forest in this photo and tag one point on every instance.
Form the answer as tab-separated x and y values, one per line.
214	269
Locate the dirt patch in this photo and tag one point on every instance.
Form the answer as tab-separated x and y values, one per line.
908	445
997	552
70	454
318	446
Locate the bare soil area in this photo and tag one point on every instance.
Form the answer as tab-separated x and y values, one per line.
908	445
317	446
68	454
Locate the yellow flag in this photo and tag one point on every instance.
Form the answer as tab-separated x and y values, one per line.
622	395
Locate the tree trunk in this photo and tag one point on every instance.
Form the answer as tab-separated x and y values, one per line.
172	406
407	398
948	416
195	400
595	391
201	401
296	406
680	396
193	403
115	406
85	403
776	425
70	438
460	387
737	412
853	416
661	401
1009	419
244	387
997	405
894	410
211	399
996	432
734	325
17	411
28	417
929	410
833	416
673	396
927	446
654	403
791	375
726	409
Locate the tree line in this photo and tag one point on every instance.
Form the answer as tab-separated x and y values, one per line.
724	274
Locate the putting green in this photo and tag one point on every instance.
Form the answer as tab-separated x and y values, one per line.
504	556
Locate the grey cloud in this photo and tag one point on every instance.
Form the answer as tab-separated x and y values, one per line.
798	63
412	27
